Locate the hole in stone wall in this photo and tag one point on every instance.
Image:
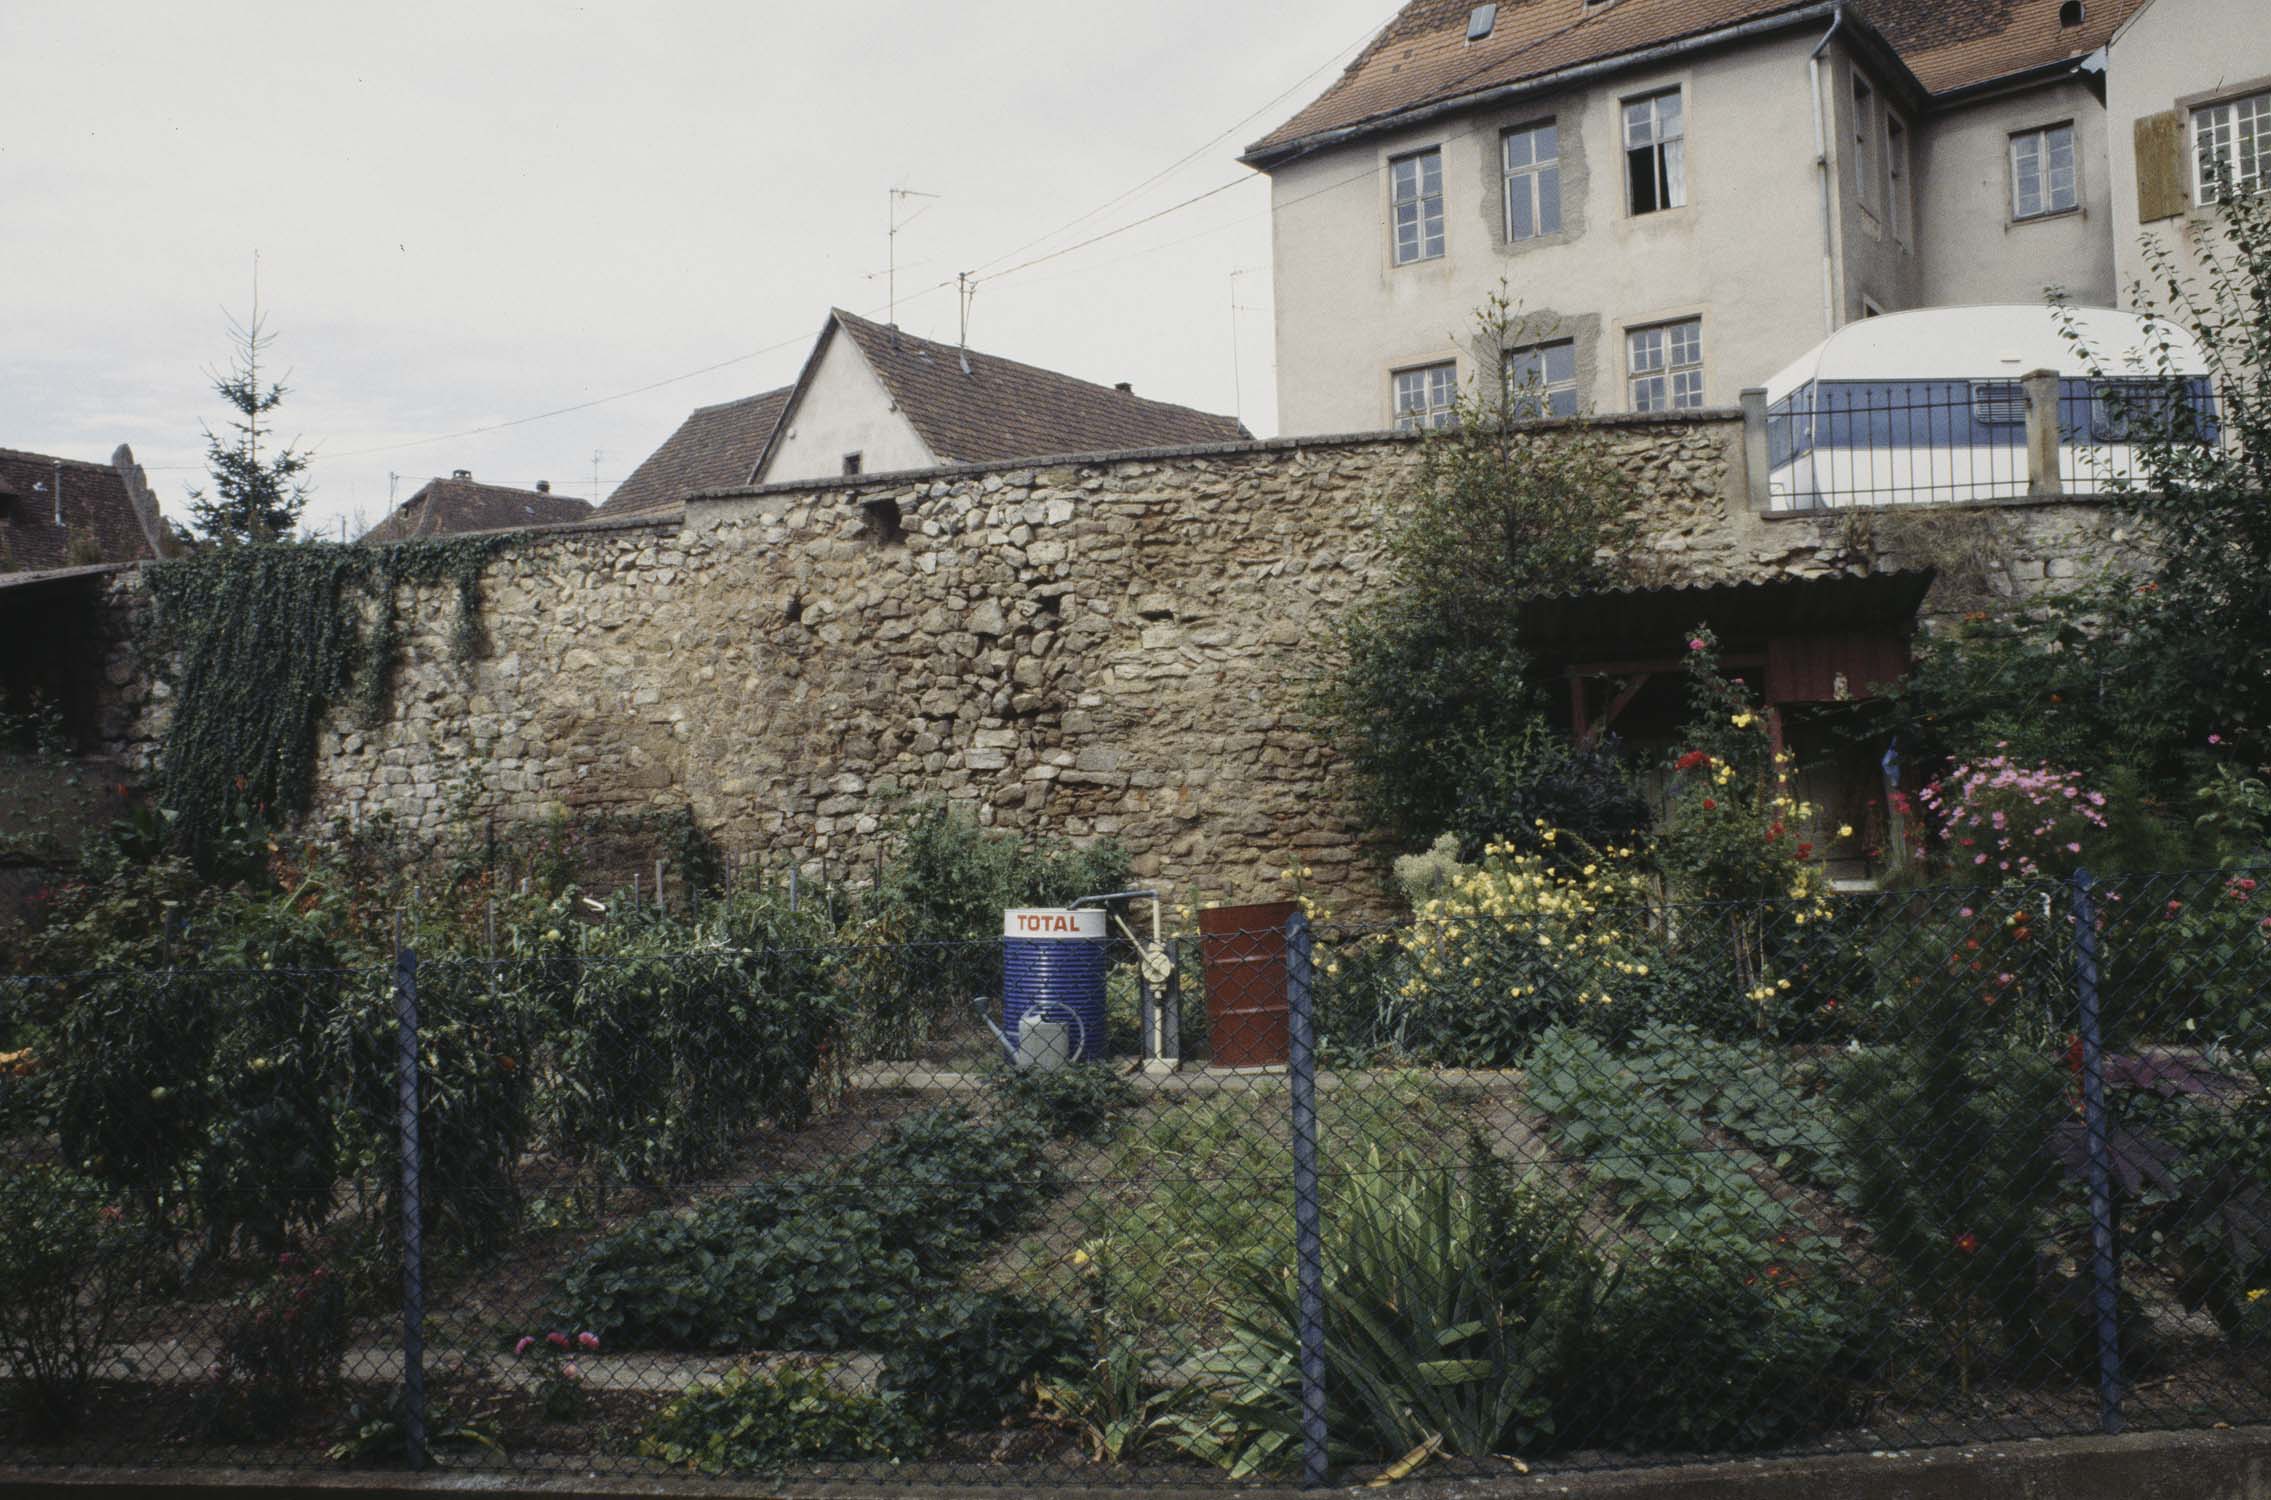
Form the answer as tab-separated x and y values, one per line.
794	614
882	522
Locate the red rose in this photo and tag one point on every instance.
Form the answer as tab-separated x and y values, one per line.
1805	851
1709	805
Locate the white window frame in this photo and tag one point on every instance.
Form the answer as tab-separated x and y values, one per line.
1436	385
1642	124
2216	130
1535	182
1664	365
1864	144
1424	218
1528	399
2039	137
1900	204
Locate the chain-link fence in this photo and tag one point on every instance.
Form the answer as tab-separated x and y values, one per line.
1527	1181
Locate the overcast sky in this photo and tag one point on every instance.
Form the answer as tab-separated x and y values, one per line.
468	214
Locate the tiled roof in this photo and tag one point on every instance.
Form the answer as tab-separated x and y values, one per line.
444	506
1002	410
1951	46
717	446
99	521
1423	54
1423	57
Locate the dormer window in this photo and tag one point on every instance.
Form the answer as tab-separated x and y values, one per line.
1480	20
851	464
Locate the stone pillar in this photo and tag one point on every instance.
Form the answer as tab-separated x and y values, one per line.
1755	454
2041	388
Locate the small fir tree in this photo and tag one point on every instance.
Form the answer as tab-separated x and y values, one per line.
258	491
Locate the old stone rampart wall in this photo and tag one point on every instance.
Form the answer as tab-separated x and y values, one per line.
1116	646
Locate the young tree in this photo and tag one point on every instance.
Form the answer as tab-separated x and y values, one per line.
258	491
1430	698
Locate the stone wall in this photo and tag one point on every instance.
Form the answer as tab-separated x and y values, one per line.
1117	646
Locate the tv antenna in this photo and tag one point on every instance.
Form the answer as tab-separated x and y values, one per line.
891	246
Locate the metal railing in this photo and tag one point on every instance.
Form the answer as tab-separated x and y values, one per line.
1838	444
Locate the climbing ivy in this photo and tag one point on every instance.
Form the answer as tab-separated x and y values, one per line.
263	641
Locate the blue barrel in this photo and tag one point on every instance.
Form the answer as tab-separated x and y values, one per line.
1053	971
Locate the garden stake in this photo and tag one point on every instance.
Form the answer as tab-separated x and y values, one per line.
2105	1271
1308	1236
413	1230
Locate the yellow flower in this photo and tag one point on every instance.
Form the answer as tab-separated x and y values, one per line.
1742	720
1080	1257
1845	830
2256	1295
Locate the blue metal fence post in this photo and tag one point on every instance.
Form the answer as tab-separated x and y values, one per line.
413	1216
2105	1269
1308	1210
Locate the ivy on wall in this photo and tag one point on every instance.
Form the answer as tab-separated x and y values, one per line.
263	641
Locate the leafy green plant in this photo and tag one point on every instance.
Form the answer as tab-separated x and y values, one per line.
69	1266
971	1359
473	1099
820	1261
280	1352
1944	1132
1670	1180
1084	1101
940	905
1456	1304
763	1419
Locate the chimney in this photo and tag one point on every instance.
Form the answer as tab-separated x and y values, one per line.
461	473
1124	387
59	492
544	486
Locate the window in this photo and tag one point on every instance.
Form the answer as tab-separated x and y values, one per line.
1426	397
1896	177
2042	172
1998	403
2231	142
1655	152
1416	190
1533	181
1541	380
1666	362
1864	138
851	463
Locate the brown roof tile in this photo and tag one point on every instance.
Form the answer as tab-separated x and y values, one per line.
1952	46
1002	410
99	522
1423	57
715	447
446	506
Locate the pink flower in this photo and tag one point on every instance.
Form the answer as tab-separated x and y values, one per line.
588	1340
1696	644
2215	739
569	1371
526	1339
557	1340
1979	859
2073	848
1965	912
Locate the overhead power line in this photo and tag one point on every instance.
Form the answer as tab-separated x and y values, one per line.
971	280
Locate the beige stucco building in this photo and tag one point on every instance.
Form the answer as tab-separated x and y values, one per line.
2188	89
1680	196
